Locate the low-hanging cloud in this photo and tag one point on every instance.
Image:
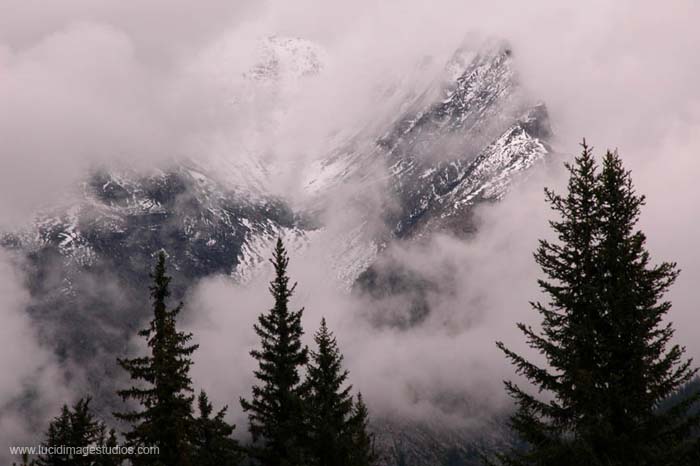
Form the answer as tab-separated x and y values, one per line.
444	369
621	75
32	386
86	83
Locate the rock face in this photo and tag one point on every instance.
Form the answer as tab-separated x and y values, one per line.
458	143
460	147
88	263
455	145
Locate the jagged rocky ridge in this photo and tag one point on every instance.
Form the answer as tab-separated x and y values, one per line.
451	149
460	143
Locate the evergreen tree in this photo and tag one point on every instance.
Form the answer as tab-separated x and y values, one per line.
164	387
74	428
212	444
58	433
362	452
329	403
607	351
568	338
275	412
642	367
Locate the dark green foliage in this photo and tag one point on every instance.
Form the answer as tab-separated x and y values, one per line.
276	412
567	339
163	385
329	404
212	444
59	433
610	361
363	452
643	366
75	427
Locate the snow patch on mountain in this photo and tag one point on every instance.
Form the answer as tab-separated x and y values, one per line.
253	259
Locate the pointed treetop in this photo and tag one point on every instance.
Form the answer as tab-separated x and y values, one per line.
205	408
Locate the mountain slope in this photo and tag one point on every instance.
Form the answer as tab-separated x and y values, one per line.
456	146
460	142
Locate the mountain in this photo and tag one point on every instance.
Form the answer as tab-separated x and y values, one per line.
452	148
460	141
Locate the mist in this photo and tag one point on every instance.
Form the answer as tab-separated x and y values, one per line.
86	84
620	75
33	385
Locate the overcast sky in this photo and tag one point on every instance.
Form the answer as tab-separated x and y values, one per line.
85	82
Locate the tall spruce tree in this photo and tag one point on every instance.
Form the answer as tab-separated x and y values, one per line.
642	366
59	433
276	411
602	336
568	338
212	444
329	403
164	387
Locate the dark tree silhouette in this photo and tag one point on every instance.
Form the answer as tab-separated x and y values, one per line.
164	388
608	352
276	413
